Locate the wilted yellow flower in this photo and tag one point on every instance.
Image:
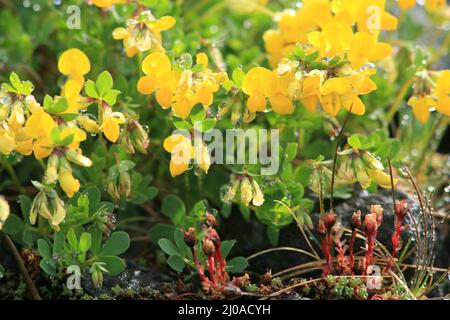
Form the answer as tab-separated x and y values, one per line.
67	181
143	33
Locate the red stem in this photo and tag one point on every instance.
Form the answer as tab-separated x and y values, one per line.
198	266
326	270
330	247
211	269
352	257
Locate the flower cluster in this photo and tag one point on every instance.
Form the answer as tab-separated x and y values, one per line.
55	129
430	94
178	88
316	22
143	33
246	188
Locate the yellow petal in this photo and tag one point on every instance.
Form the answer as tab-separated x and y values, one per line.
256	103
43	147
202	58
165	23
406	4
111	129
68	183
39	124
380	51
182	107
120	33
355	105
381	178
281	104
156	63
73	61
177	168
146	84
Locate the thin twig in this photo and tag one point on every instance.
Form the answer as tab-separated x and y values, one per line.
23	270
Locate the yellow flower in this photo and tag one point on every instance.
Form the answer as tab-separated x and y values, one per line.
75	64
143	33
421	107
110	125
68	183
333	40
257	84
182	152
364	48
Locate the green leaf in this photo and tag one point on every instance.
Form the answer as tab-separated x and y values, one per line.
207	124
67	140
111	97
174	208
58	243
197	114
226	246
69	116
161	230
104	83
291	152
117	244
91	89
85	242
48	265
168	247
186	61
13	225
25	207
14	80
237	265
238	76
182	125
55	135
176	263
72	239
113	264
179	241
44	249
58	106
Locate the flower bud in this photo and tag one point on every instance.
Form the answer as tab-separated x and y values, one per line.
378	211
51	173
78	158
321	226
125	142
258	195
67	181
4	211
124	187
401	209
59	212
208	247
88	124
356	220
210	220
189	237
246	191
329	220
97	277
139	137
370	225
109	223
112	190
